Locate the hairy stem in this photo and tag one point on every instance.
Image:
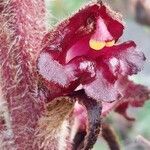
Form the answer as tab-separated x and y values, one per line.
21	30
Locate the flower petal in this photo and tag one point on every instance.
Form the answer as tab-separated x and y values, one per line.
102	90
134	95
124	59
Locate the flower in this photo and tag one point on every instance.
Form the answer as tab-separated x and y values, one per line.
85	50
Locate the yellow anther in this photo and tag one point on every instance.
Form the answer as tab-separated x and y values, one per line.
96	45
110	44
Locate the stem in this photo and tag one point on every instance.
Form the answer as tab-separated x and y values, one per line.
94	120
79	139
109	135
21	30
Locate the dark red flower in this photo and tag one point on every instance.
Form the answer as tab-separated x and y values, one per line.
84	50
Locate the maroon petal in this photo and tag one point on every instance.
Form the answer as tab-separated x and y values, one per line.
80	25
135	95
124	59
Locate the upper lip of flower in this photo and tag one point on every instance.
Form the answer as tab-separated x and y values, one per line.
100	29
101	37
96	21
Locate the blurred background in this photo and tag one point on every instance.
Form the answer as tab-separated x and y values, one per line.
136	14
